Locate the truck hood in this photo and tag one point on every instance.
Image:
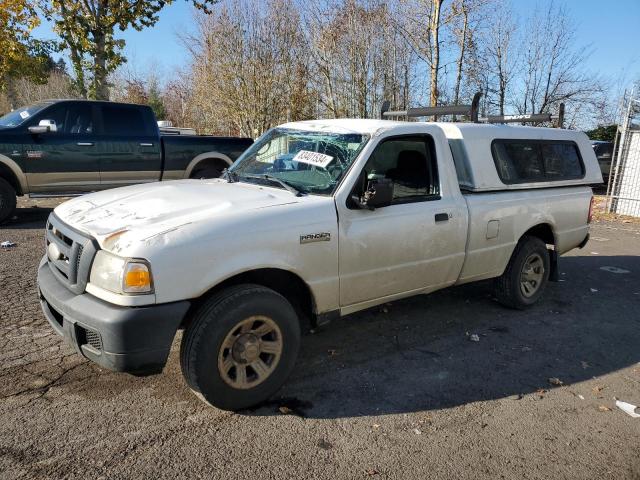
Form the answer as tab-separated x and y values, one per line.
121	216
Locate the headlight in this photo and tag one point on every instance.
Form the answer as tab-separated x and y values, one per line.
121	275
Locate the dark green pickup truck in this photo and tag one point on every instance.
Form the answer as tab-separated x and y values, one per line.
68	147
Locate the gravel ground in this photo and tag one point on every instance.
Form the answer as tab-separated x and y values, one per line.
393	392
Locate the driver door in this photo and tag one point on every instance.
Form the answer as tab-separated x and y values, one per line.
64	160
415	244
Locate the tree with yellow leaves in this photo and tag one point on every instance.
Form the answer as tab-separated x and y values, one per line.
87	29
20	55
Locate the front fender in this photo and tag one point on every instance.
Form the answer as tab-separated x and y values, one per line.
17	172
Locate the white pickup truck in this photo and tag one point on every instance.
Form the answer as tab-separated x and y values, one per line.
315	220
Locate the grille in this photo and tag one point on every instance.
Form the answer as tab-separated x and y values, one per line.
69	254
78	257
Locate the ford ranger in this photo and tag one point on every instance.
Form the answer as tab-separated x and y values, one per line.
69	147
317	219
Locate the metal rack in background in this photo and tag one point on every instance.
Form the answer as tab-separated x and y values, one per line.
471	111
623	186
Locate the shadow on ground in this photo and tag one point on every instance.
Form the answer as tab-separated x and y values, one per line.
417	356
28	218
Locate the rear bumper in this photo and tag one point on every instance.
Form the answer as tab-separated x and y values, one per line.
123	339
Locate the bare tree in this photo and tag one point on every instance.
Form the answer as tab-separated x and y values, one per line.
255	63
248	66
501	55
462	34
420	23
358	57
177	97
58	85
553	66
468	24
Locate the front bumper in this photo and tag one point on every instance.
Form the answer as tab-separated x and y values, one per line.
124	339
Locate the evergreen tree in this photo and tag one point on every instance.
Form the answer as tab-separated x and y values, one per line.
155	100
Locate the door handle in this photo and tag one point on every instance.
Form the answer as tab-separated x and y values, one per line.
442	217
146	144
85	144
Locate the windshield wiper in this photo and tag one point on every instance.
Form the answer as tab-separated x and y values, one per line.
286	185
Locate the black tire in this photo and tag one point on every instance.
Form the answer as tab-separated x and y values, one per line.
512	288
209	171
217	319
7	200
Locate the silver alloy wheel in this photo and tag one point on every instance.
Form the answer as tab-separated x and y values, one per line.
531	275
250	352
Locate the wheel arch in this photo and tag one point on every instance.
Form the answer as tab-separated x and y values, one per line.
12	173
288	284
214	158
544	231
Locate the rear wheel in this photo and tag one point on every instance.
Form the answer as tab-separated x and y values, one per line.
208	171
526	275
240	347
7	200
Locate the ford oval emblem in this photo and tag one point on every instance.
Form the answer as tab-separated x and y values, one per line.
54	252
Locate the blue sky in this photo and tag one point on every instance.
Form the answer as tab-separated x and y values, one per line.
609	27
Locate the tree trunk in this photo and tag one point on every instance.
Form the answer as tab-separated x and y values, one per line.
435	49
502	83
79	83
463	43
460	63
100	86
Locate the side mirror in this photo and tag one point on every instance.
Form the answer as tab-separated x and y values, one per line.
379	193
44	126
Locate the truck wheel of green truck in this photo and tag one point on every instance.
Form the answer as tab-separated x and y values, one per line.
7	200
209	171
240	346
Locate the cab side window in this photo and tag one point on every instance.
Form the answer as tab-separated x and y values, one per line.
70	118
79	119
123	121
409	162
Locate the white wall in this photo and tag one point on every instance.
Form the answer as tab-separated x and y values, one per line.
629	181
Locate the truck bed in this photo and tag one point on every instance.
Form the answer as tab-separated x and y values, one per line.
497	219
180	151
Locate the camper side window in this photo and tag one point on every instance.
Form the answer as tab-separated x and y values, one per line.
529	161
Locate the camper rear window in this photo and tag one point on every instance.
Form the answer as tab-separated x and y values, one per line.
526	161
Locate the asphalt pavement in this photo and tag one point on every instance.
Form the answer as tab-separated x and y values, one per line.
395	392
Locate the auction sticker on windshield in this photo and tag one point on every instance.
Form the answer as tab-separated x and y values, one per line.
313	158
24	114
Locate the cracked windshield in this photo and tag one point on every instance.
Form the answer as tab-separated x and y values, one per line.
301	161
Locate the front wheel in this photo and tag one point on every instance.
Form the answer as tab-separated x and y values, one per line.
526	275
7	200
240	347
